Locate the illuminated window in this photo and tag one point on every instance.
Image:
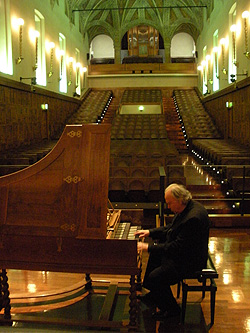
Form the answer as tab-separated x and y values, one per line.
40	60
6	65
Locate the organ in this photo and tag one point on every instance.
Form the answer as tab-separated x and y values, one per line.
53	214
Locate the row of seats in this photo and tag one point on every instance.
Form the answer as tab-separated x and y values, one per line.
198	123
144	148
138	189
145	171
141	96
139	127
230	160
220	151
91	107
18	159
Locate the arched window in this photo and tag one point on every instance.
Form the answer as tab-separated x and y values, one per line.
182	46
102	46
6	65
40	60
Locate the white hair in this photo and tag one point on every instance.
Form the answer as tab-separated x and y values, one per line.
180	193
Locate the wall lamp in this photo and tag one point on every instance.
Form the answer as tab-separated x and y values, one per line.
222	43
32	82
70	62
245	16
20	23
36	35
233	29
61	63
51	46
208	61
78	66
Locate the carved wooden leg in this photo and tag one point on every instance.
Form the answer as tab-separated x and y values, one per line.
5	295
133	303
88	284
138	278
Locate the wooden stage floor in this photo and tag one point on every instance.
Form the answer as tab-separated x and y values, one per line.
46	293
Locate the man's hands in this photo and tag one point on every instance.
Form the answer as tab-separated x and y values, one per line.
142	233
141	246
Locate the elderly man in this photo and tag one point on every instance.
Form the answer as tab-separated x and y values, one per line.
180	248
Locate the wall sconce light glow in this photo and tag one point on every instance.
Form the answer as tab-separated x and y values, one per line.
203	63
233	28
223	41
20	23
141	108
200	68
245	16
215	49
84	69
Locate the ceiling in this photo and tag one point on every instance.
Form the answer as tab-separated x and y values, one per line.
116	17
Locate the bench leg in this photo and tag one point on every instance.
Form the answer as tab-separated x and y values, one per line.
178	289
204	287
212	305
184	304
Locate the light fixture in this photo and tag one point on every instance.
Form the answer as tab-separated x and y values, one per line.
208	63
141	108
36	35
70	62
229	105
61	52
245	16
51	46
20	23
233	29
222	43
78	66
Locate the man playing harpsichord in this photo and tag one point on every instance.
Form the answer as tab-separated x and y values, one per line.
179	249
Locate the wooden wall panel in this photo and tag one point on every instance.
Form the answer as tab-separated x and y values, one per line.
22	121
239	114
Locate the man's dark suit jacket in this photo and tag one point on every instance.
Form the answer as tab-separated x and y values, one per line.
184	241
